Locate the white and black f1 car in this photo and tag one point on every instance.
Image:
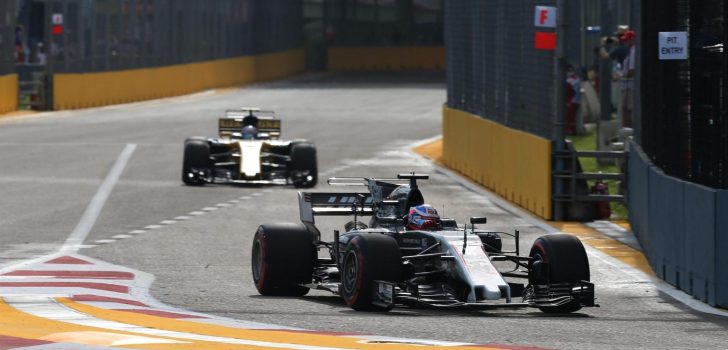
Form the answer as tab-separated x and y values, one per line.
379	265
259	159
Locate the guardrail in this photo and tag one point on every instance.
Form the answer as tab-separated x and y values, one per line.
573	174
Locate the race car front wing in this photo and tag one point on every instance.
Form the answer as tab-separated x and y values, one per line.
386	294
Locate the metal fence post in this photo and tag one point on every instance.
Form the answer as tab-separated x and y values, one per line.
50	64
605	65
560	96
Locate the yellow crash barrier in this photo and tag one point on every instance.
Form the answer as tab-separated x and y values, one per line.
8	93
386	58
82	90
512	163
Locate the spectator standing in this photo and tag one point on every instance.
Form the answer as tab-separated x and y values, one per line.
19	46
40	55
573	99
627	79
613	47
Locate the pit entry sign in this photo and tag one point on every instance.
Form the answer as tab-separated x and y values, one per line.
673	45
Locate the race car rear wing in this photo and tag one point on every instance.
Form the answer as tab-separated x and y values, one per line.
235	120
311	204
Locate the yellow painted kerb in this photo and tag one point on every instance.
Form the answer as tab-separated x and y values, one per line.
8	93
84	90
608	245
510	162
272	336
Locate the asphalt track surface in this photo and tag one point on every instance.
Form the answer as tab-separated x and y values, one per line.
196	240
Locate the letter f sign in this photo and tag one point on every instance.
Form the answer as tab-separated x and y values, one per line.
545	17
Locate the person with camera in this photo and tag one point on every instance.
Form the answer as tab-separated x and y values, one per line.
613	48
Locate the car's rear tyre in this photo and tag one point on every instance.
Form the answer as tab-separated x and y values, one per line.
303	161
368	257
567	263
283	258
354	225
196	156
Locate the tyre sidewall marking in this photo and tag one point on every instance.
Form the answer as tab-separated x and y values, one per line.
356	292
263	268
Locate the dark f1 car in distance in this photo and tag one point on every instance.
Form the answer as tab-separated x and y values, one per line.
249	151
383	264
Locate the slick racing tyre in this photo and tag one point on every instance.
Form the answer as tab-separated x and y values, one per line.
351	225
197	157
567	263
303	164
368	257
283	258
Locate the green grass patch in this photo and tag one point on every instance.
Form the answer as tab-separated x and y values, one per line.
588	142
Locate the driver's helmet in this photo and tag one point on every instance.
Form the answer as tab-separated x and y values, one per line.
423	217
249	132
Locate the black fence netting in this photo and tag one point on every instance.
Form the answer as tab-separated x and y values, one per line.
9	54
383	22
494	70
101	35
684	127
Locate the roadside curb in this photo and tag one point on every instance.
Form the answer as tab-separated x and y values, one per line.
622	247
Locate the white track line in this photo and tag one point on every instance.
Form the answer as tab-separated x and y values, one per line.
84	226
104	241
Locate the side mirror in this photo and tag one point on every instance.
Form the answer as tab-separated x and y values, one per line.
478	220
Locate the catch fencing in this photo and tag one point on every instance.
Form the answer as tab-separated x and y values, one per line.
494	71
678	175
684	128
383	23
7	37
107	35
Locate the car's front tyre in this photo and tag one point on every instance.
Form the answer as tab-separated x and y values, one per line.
368	257
562	259
304	167
196	159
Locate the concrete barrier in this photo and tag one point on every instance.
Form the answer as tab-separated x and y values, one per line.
8	93
638	195
699	243
721	249
512	163
386	58
82	90
666	224
682	227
